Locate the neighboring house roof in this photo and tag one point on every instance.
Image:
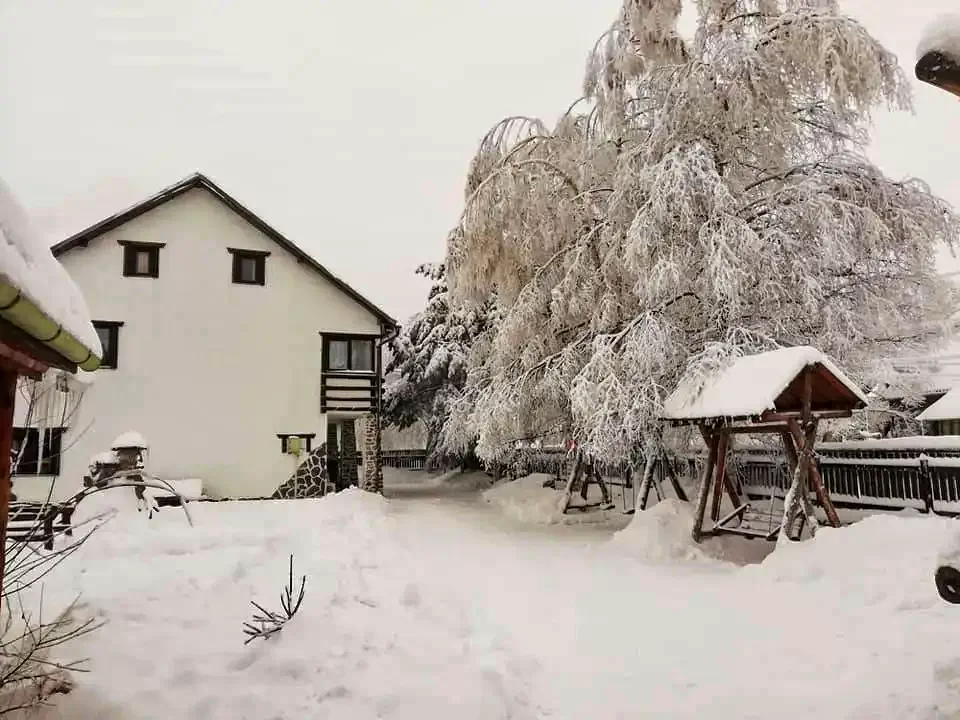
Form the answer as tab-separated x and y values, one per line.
199	180
38	297
946	408
755	384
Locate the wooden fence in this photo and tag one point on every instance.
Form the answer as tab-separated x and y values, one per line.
919	473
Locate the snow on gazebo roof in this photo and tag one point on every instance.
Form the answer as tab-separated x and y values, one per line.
27	265
750	386
946	408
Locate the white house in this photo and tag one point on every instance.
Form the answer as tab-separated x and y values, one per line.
220	336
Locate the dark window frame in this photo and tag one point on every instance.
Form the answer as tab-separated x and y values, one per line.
329	338
130	251
36	460
259	257
111	353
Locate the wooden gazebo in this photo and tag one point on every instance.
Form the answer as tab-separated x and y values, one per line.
785	392
43	324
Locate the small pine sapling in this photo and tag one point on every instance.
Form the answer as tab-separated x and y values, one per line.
265	623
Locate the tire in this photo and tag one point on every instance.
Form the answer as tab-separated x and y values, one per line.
948	583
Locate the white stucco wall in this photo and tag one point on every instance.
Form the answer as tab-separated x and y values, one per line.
208	371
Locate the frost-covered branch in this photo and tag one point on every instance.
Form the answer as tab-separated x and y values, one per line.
266	623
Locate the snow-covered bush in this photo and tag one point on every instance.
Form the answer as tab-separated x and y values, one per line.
710	196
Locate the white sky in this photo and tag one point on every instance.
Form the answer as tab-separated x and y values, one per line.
347	125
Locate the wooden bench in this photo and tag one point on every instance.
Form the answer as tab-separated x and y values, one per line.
39	522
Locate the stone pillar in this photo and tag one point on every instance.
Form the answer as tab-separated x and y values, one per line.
348	453
372	458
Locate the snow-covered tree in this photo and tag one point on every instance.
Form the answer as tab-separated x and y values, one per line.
710	196
429	361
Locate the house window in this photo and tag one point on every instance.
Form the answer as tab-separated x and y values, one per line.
109	333
249	266
351	354
35	451
141	259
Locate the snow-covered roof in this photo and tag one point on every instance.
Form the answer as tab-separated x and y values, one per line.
749	386
943	35
129	439
27	264
913	442
107	457
946	408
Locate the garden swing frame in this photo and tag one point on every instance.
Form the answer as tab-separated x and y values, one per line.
806	388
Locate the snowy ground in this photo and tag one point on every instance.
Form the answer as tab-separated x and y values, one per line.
433	605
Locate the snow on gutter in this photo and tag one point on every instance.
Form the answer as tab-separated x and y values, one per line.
18	310
938	54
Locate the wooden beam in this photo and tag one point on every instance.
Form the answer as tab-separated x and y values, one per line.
23	346
672	476
713	443
720	472
756	429
21	363
823	497
724	480
575	472
783	417
8	394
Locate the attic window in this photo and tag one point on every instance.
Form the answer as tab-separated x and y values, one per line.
249	266
141	259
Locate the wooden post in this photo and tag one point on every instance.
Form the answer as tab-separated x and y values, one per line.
8	394
647	481
575	472
585	480
712	443
732	493
605	497
672	476
721	474
823	497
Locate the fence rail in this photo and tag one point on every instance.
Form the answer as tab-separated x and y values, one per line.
858	475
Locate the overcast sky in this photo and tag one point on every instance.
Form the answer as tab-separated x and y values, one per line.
347	125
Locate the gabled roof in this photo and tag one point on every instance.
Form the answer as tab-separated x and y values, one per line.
756	384
946	407
199	180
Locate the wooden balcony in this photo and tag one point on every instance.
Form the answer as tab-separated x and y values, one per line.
350	392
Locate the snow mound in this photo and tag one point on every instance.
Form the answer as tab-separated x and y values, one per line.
27	263
378	632
526	500
942	35
857	560
660	534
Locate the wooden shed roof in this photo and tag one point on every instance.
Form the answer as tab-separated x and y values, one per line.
753	386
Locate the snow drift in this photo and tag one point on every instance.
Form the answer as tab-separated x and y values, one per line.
660	534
